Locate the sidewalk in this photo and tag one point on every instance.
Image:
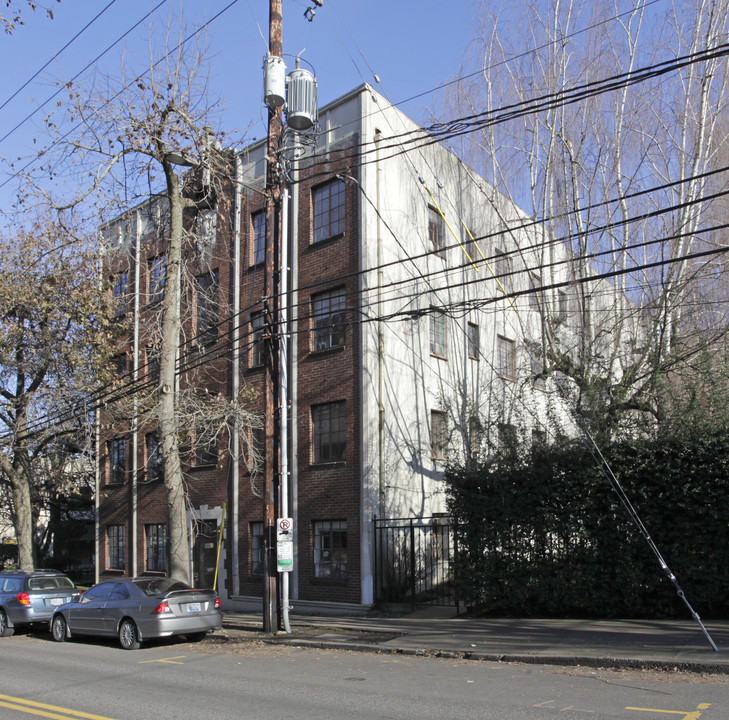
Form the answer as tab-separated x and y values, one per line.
658	644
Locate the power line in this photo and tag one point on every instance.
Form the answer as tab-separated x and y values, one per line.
48	62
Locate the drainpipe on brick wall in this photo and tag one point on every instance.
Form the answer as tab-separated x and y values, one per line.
283	368
135	421
235	462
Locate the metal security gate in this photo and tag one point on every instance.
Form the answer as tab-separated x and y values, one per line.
414	561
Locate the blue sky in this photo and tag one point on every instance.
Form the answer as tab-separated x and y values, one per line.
412	46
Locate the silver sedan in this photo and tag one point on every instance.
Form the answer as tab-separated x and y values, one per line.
136	609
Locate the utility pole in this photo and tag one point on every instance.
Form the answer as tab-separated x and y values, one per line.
274	184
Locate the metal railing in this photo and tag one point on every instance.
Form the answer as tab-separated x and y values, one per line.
414	561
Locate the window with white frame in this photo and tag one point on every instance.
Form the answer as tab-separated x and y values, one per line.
116	546
330	549
156	278
505	357
438	335
436	231
438	434
329	432
156	547
258	225
328	312
474	341
328	202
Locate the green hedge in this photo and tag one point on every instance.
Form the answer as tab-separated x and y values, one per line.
547	535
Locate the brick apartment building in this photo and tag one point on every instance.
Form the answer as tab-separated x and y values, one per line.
395	358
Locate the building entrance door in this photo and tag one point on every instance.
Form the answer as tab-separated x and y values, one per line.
205	553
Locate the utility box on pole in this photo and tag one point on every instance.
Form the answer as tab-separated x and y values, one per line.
301	105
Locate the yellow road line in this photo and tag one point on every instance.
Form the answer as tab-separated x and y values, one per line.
687	714
171	661
44	710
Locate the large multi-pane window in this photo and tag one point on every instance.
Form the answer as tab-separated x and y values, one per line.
330	549
258	223
155	465
256	548
156	538
436	231
330	436
328	201
328	311
208	292
120	293
117	451
156	272
116	546
438	434
505	357
438	339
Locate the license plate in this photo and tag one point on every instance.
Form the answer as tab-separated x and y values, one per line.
193	607
56	601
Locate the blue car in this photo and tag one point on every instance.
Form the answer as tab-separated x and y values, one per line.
137	609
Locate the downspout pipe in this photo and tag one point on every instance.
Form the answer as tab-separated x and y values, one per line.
235	380
284	391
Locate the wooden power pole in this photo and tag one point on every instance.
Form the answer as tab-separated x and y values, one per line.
274	186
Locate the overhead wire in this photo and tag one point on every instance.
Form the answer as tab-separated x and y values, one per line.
56	55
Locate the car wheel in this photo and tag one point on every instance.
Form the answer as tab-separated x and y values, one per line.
58	628
128	636
196	636
5	630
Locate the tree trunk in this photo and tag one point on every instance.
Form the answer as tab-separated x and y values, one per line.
23	518
178	540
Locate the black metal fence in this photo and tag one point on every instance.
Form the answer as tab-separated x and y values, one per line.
414	561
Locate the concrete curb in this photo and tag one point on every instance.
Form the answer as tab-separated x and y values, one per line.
567	661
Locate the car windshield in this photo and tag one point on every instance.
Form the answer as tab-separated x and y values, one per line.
50	583
159	586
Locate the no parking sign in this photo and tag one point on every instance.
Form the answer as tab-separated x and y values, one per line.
285	544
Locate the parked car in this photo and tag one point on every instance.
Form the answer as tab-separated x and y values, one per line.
136	609
31	596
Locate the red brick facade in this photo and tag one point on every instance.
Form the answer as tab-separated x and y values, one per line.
328	491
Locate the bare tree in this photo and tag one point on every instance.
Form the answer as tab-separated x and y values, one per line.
54	335
620	176
149	137
12	16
